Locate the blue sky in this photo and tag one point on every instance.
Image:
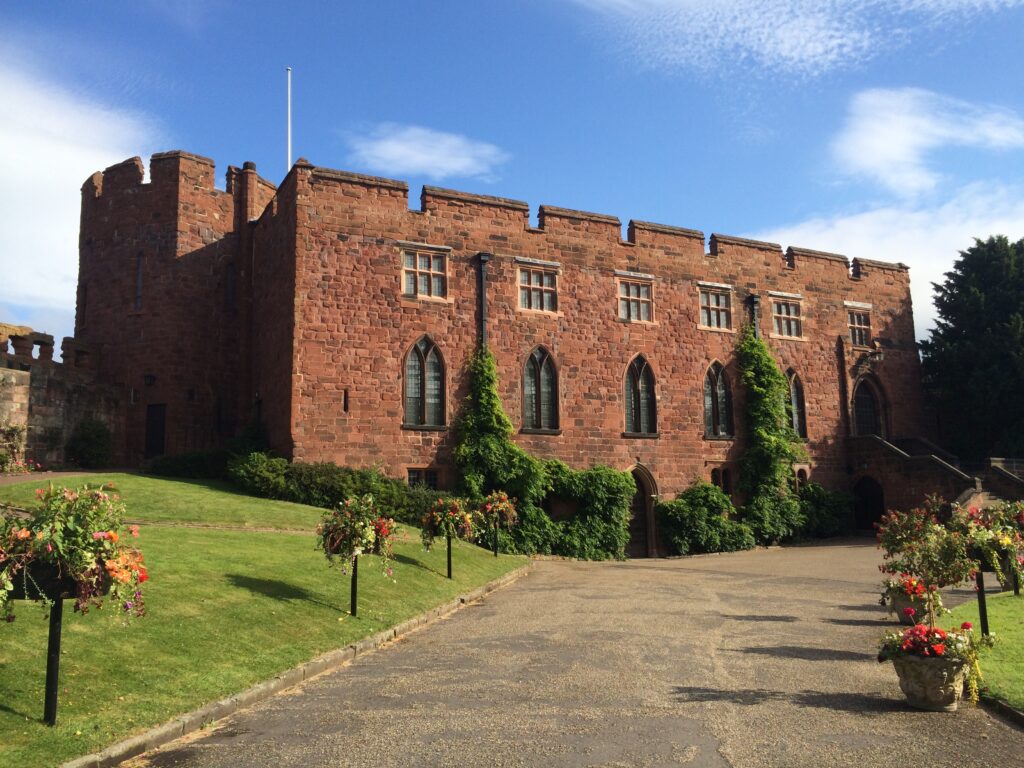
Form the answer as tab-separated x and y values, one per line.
885	129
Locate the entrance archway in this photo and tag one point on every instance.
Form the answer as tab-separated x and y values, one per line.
868	503
641	519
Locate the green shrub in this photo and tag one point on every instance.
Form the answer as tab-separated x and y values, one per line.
826	513
700	520
600	528
211	464
323	484
91	445
259	475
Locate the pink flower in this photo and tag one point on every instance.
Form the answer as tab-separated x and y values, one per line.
99	535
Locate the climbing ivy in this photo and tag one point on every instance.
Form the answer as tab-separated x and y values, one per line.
488	460
766	468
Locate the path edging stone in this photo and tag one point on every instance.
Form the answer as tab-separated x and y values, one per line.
1003	709
332	660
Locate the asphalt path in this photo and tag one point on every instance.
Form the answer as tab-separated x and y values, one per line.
763	658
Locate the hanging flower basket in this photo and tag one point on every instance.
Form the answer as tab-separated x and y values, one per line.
45	582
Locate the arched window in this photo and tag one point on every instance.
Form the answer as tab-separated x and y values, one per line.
717	403
641	416
424	385
797	412
867	413
540	391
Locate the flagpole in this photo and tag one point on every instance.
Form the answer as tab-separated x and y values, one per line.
289	166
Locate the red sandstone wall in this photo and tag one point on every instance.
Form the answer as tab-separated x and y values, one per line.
353	328
184	336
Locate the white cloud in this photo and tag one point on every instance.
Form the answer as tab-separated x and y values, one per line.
410	150
927	238
51	140
803	37
889	133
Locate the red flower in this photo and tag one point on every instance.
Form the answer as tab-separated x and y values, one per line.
939	649
966	625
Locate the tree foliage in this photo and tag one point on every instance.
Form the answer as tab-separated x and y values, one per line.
974	359
766	469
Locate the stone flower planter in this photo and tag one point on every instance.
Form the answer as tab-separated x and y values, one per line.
901	600
932	683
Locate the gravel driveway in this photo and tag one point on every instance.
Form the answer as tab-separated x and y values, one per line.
761	658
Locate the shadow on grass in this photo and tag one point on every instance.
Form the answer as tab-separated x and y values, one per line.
20	713
278	590
406	560
840	702
807	654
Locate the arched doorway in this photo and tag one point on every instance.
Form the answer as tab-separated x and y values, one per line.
641	519
868	503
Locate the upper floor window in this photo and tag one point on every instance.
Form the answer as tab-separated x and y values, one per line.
860	327
641	407
540	391
797	412
425	274
538	289
424	385
787	318
716	308
636	301
717	403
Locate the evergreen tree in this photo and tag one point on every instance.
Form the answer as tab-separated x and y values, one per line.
974	360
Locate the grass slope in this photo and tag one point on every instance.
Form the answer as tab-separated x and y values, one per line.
1002	665
227	609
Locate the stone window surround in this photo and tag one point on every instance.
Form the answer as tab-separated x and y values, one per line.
625	277
791	299
419	249
703	287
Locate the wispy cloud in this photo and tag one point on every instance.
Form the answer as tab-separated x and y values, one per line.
411	150
51	140
889	133
927	237
801	37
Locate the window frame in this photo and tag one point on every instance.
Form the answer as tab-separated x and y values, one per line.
425	479
641	281
781	321
716	375
422	356
797	416
419	251
532	365
638	367
853	314
709	290
544	271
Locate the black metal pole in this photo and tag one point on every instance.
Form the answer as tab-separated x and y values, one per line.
449	555
355	582
497	527
982	608
484	258
53	662
1016	584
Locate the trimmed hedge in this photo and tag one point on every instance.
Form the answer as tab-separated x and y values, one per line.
825	513
91	445
700	520
204	465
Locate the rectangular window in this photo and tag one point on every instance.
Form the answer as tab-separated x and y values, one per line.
427	477
636	302
538	289
787	318
860	327
715	308
424	274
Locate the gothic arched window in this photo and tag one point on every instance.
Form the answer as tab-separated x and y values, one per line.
797	411
641	415
867	412
717	403
540	391
424	385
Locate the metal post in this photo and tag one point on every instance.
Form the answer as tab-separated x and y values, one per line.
982	608
53	662
497	528
355	582
449	555
289	166
1016	584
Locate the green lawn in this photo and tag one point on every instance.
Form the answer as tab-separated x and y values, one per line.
1002	665
227	609
159	500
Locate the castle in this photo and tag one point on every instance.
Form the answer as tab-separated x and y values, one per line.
344	322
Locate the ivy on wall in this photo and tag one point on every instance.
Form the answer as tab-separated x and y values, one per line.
766	468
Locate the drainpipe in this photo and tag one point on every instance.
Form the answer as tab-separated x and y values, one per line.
755	314
484	258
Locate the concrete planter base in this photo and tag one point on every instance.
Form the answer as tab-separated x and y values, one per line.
934	684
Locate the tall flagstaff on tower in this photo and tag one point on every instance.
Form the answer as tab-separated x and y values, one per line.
289	166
